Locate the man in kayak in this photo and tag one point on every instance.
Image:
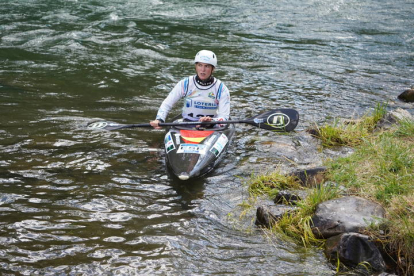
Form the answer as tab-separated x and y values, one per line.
206	98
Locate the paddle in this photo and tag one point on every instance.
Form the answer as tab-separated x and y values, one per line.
280	120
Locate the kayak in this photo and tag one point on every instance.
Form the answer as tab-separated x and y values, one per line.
191	152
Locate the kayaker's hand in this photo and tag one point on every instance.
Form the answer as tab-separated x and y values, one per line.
155	125
204	119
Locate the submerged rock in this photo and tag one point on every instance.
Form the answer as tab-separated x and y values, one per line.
345	214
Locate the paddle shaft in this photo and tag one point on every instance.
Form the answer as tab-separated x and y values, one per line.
190	123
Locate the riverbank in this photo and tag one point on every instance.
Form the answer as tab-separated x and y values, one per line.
380	169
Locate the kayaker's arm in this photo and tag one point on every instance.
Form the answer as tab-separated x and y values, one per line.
173	97
223	112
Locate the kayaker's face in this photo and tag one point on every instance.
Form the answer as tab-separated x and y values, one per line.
204	70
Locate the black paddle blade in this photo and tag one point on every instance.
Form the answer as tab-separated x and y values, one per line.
280	120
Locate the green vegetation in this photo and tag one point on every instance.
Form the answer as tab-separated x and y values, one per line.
350	133
380	169
271	183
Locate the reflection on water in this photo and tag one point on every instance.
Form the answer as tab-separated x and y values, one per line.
81	202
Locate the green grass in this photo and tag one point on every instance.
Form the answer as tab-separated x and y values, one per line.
350	133
380	169
270	183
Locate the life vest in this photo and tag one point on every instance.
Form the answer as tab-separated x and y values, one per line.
201	101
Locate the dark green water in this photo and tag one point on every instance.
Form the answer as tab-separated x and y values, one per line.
76	202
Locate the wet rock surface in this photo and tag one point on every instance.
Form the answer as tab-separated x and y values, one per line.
345	214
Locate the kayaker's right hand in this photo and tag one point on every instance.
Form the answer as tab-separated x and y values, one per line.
204	119
155	124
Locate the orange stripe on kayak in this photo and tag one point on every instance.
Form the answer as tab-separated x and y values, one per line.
194	136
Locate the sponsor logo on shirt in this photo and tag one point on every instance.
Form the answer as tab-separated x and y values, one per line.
204	105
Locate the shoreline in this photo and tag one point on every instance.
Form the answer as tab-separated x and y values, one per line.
380	170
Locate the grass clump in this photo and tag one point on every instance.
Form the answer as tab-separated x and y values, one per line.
270	183
350	133
295	224
298	224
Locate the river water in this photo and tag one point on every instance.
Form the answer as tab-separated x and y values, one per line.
79	202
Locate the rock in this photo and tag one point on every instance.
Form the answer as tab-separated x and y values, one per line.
266	216
392	117
289	197
313	131
386	274
353	249
310	177
407	96
401	114
345	214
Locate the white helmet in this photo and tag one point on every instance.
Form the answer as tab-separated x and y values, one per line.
205	56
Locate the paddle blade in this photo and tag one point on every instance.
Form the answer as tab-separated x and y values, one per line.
280	120
112	126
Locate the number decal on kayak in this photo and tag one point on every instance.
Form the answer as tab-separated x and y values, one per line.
191	148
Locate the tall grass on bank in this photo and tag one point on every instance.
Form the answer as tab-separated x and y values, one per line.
380	169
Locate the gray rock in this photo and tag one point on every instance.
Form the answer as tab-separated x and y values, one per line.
289	197
345	214
392	118
353	249
310	177
267	215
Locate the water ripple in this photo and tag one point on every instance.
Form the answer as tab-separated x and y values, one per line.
80	202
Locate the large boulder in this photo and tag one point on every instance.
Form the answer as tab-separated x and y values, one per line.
345	214
353	249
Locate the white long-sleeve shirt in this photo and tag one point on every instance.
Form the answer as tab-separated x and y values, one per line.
212	100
